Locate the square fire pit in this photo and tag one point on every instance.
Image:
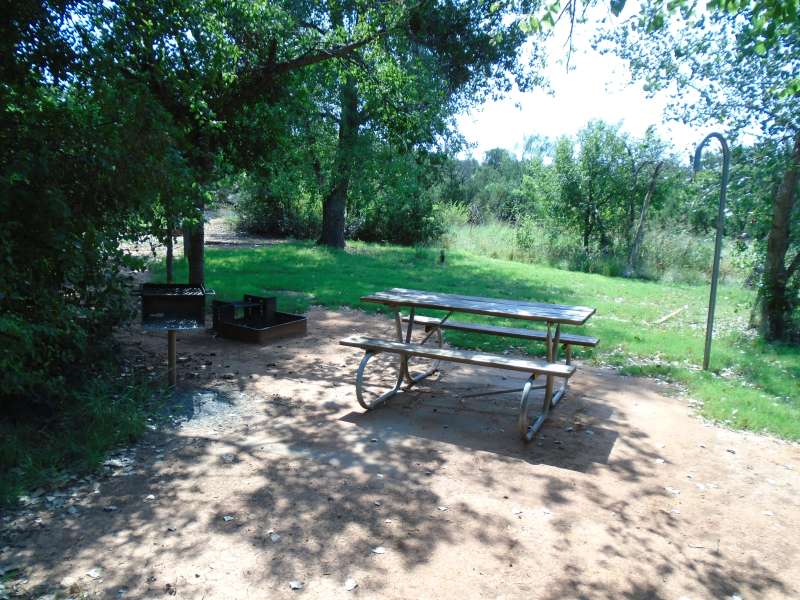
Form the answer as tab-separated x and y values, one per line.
255	319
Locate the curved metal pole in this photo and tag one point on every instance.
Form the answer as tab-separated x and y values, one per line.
726	158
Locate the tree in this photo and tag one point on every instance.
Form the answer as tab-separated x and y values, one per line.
738	71
82	168
216	68
593	174
405	85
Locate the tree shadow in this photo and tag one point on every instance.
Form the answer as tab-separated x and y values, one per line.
283	453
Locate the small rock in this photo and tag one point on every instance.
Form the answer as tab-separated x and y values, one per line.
229	376
110	508
227	518
442	508
731	450
275	537
659	461
149	498
379	550
172	529
377	503
95	573
228	458
296	585
374	441
72	510
671	490
768	513
350	584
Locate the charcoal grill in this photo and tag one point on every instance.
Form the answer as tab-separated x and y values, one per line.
255	319
173	307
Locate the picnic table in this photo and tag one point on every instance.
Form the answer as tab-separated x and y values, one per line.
553	315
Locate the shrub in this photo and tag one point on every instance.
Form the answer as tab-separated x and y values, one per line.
265	210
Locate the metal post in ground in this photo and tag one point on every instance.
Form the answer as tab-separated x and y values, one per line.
172	374
718	243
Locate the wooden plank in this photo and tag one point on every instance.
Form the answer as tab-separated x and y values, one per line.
555	313
515	332
481	359
510	301
674	313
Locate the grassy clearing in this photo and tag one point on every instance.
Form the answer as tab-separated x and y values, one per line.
106	414
753	385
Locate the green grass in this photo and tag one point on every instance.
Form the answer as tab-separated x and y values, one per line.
106	413
752	385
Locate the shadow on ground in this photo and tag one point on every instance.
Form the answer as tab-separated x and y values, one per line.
280	479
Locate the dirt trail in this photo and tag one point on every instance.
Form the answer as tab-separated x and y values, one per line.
279	476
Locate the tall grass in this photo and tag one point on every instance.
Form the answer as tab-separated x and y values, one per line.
106	413
668	256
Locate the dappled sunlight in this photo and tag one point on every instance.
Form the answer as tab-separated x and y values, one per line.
278	476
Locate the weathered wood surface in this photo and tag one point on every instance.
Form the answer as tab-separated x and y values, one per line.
494	307
481	359
515	332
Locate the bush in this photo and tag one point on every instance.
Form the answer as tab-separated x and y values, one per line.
298	216
410	221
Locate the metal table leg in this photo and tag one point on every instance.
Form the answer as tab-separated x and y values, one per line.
409	378
360	385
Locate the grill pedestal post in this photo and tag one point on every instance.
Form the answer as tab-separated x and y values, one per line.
172	373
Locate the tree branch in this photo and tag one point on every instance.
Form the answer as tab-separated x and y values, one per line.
323	55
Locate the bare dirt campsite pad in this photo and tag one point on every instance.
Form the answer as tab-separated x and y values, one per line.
277	485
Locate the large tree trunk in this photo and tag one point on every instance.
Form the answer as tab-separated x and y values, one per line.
334	208
636	248
197	255
774	301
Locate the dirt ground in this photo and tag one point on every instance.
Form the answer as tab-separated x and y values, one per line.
276	475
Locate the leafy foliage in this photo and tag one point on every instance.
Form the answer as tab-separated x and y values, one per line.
736	67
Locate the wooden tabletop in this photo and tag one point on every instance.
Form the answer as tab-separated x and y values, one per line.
494	307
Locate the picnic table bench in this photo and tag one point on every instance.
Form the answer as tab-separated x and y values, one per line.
554	315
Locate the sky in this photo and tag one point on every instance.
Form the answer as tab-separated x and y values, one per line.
597	86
